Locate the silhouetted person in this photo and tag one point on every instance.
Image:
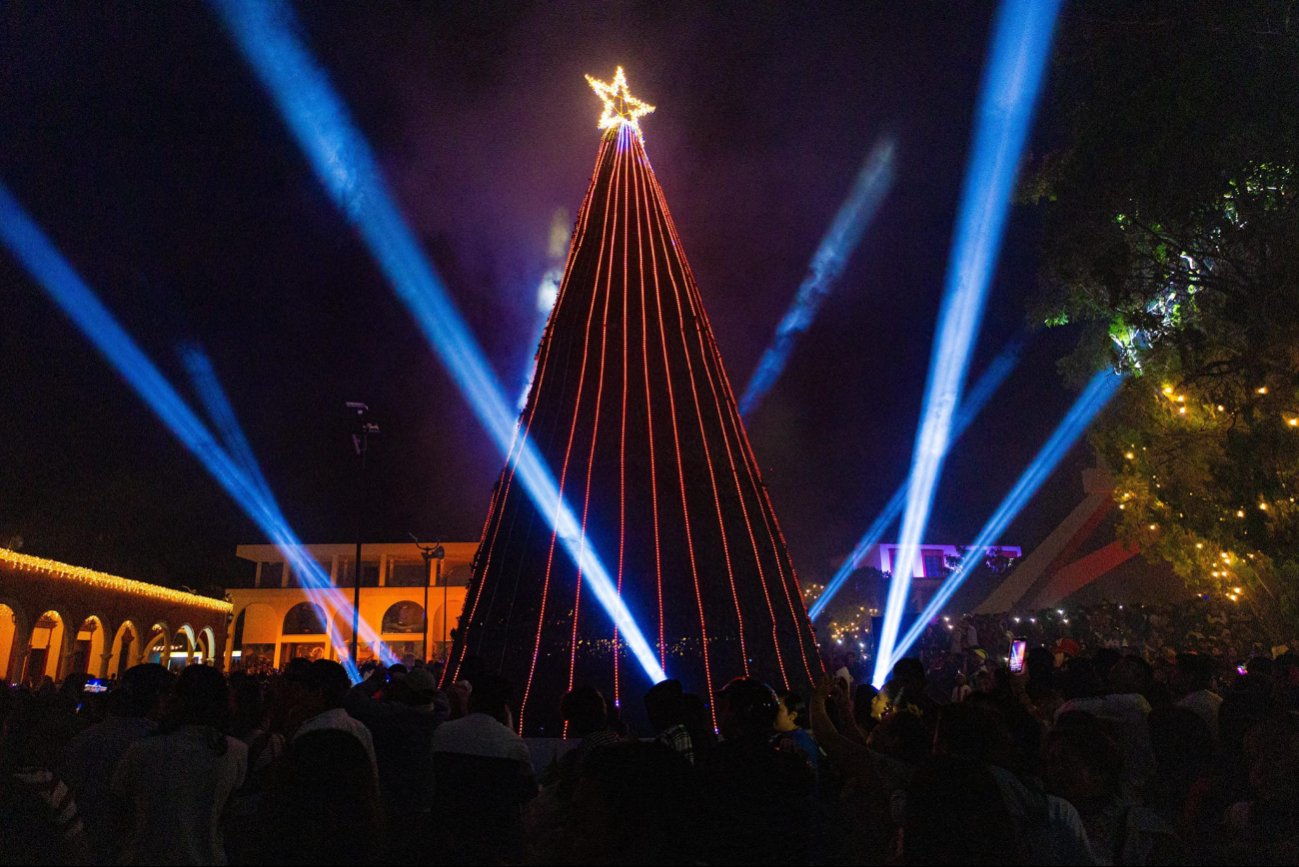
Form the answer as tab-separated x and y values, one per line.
665	706
402	725
325	686
756	799
323	804
955	814
483	776
635	804
177	782
91	758
1191	682
39	822
587	717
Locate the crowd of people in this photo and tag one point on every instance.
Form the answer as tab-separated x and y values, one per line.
1099	757
1217	628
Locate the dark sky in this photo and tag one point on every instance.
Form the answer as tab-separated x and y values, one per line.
140	141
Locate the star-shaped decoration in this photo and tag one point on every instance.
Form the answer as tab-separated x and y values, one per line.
620	107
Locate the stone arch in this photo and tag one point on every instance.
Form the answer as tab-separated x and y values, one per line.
126	644
11	630
304	633
255	637
157	645
182	647
401	632
403	617
88	647
305	618
207	641
46	647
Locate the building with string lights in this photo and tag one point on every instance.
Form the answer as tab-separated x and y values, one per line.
57	619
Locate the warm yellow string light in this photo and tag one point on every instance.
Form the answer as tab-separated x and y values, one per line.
104	581
620	107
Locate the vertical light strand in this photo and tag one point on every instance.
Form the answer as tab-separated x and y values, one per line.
622	443
698	311
649	413
581	381
676	437
619	159
500	495
665	238
769	515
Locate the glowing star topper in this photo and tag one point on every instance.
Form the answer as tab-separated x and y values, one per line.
620	107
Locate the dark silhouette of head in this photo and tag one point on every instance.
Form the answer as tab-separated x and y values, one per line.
746	707
1083	762
200	697
327	683
971	731
1191	673
323	806
492	694
955	814
910	672
665	705
585	711
140	691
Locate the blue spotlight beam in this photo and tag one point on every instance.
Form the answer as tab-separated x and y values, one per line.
855	214
1092	400
222	415
971	406
61	282
1020	45
266	35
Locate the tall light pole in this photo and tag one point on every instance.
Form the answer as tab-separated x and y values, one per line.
432	554
361	442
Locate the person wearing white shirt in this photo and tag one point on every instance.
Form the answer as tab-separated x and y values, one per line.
1191	679
482	777
326	683
177	782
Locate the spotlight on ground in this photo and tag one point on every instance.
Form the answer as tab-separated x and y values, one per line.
975	400
855	214
266	33
1093	399
62	283
1021	42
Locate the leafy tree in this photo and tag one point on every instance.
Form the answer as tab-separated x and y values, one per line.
1172	241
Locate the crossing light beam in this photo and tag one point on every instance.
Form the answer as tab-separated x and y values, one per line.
66	288
1020	45
266	33
974	402
1093	399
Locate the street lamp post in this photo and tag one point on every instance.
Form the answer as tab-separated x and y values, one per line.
432	554
360	442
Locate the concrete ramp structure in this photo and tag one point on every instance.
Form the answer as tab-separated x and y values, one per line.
1051	572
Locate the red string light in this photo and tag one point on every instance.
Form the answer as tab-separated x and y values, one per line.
568	449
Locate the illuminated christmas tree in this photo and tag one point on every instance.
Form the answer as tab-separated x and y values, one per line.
632	410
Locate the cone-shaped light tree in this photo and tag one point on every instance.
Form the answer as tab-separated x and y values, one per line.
632	410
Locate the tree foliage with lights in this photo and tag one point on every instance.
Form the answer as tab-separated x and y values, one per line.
1172	243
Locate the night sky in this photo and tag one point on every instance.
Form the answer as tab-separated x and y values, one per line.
140	141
